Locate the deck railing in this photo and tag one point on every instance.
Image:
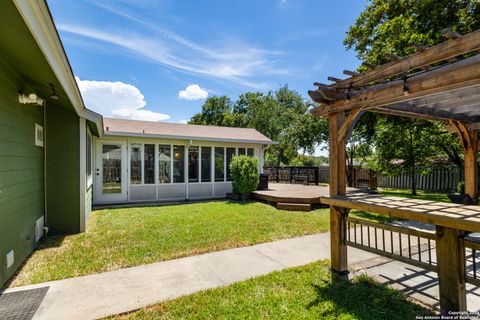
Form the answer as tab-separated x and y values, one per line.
407	245
293	174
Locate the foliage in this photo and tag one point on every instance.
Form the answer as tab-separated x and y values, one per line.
461	187
307	292
244	171
283	116
120	238
392	26
305	160
402	145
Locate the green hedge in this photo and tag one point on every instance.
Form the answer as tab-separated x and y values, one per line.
244	171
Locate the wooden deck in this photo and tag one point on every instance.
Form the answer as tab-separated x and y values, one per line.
285	195
291	193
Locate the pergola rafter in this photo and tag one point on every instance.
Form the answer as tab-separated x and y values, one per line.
440	83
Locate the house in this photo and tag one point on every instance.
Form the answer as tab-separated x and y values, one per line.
138	161
57	158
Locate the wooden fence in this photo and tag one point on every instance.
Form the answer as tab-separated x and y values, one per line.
440	179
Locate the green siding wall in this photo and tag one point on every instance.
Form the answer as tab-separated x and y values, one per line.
21	174
63	170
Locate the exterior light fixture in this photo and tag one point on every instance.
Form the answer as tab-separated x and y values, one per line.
406	90
32	98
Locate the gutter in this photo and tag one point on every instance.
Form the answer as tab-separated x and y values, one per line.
177	137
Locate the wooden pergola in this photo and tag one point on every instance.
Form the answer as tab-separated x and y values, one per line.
436	83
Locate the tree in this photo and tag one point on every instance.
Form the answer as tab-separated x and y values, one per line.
283	116
392	26
216	111
402	145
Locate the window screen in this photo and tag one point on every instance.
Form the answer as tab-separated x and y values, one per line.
136	164
164	163
230	155
193	164
206	164
219	164
178	164
149	164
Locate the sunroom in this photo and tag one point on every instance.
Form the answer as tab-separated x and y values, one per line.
141	161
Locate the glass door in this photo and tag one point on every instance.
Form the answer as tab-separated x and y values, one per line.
111	172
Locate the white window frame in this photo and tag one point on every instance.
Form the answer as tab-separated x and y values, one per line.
39	140
130	163
89	159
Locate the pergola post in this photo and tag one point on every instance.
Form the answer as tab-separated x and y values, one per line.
470	159
337	184
451	270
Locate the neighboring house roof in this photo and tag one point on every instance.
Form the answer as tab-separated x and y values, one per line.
123	127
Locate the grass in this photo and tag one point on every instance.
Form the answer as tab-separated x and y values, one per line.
406	193
308	292
118	238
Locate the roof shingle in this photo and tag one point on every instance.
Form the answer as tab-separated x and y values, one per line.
124	127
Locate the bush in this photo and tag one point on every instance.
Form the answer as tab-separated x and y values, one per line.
461	187
244	172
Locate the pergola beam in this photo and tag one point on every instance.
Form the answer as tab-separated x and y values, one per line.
440	52
432	113
461	74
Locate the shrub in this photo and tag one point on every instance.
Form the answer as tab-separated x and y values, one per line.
461	187
244	172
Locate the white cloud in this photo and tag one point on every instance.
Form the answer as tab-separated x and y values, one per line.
117	99
183	121
193	92
233	61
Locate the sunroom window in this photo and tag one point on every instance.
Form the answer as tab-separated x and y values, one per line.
219	164
149	164
136	164
193	164
230	154
206	161
178	164
164	163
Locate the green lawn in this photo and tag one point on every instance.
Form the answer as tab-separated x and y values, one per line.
406	193
307	292
118	238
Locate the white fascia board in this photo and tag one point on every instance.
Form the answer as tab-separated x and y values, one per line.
175	137
38	19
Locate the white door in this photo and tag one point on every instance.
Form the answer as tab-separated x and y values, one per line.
111	171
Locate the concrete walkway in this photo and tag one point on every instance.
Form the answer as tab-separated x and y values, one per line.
103	294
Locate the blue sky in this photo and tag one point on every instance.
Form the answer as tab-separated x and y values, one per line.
159	60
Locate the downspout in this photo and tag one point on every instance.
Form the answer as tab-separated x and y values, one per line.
185	165
45	201
264	148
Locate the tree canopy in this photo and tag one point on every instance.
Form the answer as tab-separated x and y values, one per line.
282	115
392	26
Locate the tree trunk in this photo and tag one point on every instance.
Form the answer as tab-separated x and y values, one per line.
412	164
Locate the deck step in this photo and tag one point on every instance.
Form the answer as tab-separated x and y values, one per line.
294	206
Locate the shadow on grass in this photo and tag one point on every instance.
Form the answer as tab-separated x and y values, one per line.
364	298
